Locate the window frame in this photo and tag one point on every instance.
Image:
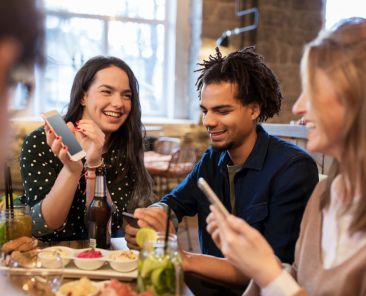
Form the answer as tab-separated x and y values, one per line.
174	58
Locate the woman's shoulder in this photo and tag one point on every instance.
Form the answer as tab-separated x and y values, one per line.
36	135
313	205
36	140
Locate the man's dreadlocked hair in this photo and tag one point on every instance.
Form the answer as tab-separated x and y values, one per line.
255	81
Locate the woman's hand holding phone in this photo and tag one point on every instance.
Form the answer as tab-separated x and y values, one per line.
61	151
92	139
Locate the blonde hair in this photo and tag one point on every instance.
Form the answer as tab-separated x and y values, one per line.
341	54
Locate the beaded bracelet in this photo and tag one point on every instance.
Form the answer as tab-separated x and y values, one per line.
88	168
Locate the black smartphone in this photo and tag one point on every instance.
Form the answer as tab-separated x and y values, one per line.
131	219
57	123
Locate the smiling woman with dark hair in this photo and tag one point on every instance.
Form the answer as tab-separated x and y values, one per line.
105	115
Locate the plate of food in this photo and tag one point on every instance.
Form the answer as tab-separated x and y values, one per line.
86	287
123	261
82	287
90	259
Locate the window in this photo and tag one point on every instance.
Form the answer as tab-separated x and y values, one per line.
141	32
340	9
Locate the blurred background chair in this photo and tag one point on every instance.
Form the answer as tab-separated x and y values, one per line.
166	145
168	170
159	158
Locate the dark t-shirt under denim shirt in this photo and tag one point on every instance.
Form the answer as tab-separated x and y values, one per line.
271	192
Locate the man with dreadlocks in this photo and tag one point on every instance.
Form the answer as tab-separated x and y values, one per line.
260	178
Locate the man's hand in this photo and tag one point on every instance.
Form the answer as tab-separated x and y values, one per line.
130	236
154	218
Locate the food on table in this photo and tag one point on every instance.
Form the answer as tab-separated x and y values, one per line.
21	244
90	259
127	255
123	261
116	288
51	252
22	259
82	287
145	234
92	253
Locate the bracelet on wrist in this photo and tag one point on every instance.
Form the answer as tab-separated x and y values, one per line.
93	167
90	175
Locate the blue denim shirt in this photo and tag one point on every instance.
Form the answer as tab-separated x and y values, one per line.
271	192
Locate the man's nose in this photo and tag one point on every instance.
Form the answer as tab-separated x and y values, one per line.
208	119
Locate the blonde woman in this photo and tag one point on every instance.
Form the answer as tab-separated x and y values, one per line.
330	254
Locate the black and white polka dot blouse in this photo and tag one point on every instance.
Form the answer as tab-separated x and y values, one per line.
39	169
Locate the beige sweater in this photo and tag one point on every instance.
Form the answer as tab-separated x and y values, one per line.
348	278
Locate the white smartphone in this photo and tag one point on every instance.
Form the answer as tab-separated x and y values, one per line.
58	125
211	195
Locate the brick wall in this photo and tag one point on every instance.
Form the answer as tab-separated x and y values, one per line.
284	27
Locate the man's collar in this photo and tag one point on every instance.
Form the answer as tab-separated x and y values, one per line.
256	157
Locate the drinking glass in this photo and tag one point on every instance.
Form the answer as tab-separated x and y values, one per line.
15	223
160	268
37	272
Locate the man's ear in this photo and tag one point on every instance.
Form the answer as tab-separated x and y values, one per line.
255	110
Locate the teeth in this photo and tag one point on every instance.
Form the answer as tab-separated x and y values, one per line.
112	114
310	125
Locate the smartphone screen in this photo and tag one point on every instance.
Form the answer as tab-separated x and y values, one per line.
58	124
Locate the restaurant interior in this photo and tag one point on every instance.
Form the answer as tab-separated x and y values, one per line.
163	41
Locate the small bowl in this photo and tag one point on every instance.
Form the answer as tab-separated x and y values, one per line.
46	254
123	261
90	263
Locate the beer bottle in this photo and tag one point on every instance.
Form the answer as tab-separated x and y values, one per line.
99	214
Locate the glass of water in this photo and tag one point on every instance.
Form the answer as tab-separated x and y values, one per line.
36	272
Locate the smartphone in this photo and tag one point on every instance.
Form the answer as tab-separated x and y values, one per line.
58	125
131	219
211	195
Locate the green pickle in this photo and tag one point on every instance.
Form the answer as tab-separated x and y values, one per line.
160	271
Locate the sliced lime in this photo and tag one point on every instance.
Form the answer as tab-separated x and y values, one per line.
157	278
145	234
152	263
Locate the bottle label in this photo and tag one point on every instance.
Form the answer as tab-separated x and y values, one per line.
92	243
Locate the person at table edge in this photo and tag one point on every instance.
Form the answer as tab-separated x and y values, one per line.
260	178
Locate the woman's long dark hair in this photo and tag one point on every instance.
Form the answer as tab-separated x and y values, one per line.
128	139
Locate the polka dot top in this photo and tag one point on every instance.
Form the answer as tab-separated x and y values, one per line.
39	169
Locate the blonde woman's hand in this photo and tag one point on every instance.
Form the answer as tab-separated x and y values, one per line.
246	248
60	149
91	139
213	229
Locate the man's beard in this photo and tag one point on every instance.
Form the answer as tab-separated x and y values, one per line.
225	146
